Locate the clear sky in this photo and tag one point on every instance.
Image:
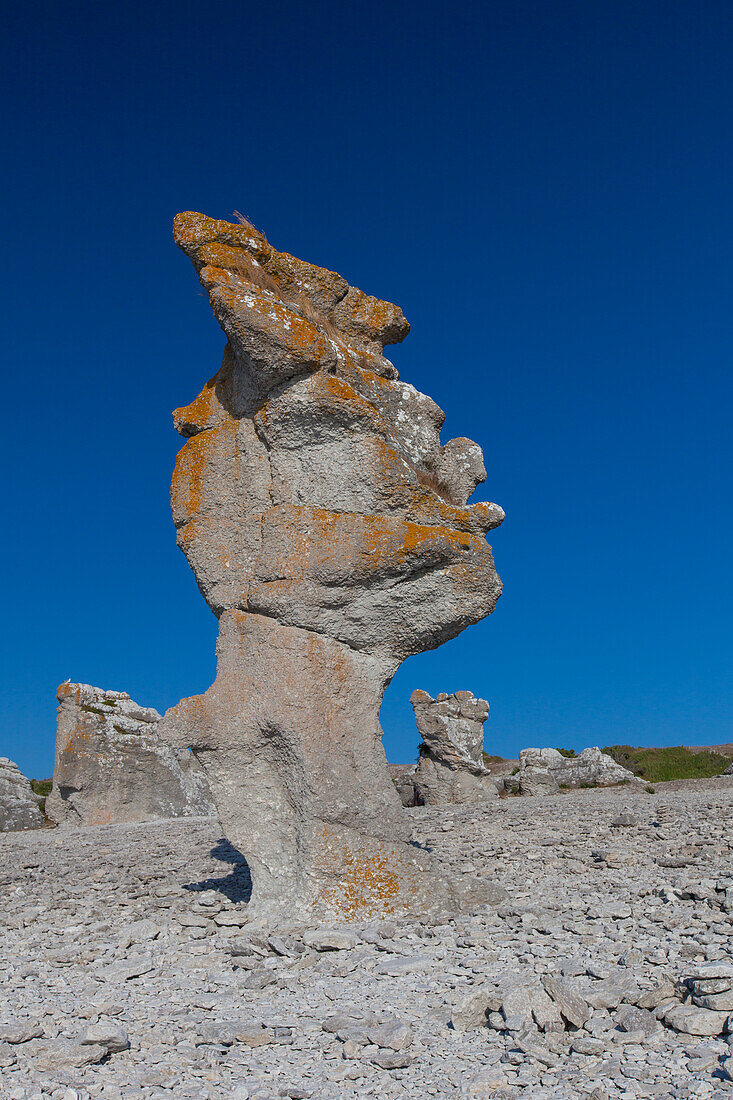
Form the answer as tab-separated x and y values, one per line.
544	187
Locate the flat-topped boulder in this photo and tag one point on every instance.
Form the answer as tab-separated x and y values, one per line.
329	530
546	771
20	808
112	767
450	767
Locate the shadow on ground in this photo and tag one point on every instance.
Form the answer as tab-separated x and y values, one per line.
237	885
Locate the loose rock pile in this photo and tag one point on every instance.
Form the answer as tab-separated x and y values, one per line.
111	765
19	806
601	969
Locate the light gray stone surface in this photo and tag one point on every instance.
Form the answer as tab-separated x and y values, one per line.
19	806
450	767
330	531
141	934
547	770
111	765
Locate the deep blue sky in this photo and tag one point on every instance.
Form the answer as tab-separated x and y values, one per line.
544	187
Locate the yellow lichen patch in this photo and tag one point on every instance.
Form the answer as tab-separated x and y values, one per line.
379	533
216	254
194	462
201	412
430	510
336	387
371	317
191	231
348	307
64	691
315	544
332	391
261	311
365	882
317	284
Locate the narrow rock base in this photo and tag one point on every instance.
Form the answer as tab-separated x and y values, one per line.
289	735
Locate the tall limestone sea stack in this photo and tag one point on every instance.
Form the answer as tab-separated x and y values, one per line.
329	531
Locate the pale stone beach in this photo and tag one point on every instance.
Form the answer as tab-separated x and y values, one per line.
130	967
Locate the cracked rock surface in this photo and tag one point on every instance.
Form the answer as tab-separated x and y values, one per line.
131	967
111	765
450	767
19	806
329	530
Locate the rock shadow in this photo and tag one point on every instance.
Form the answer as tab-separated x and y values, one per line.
237	885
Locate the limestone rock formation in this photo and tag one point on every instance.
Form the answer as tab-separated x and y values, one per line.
329	530
19	806
450	768
545	771
111	765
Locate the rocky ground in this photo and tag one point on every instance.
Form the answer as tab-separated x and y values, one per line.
127	968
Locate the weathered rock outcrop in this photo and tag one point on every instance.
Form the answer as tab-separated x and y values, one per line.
403	777
330	532
19	806
450	768
111	765
545	771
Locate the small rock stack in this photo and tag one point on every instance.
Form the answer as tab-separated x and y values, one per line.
708	1005
19	806
450	768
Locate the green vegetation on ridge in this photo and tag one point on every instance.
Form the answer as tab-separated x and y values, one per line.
42	787
659	765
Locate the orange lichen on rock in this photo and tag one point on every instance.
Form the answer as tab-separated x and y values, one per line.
357	882
329	529
192	231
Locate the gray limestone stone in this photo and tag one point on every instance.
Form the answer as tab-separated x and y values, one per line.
546	771
111	765
534	780
101	931
693	1020
19	806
